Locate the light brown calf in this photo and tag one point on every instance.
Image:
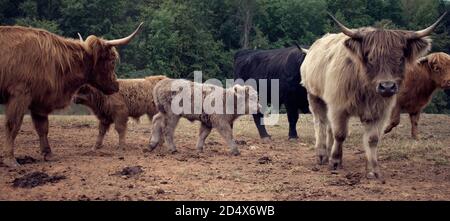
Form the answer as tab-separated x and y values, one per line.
422	79
134	99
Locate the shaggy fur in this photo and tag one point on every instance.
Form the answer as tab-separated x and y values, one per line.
341	75
422	79
40	72
134	99
166	120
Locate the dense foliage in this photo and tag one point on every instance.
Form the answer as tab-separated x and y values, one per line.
181	36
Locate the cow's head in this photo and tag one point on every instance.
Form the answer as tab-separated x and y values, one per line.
249	96
439	66
104	57
384	53
87	95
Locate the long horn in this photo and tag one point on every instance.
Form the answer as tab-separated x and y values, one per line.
422	60
427	31
126	40
79	36
344	29
300	48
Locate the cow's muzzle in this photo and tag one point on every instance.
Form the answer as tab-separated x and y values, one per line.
109	89
446	85
387	88
77	100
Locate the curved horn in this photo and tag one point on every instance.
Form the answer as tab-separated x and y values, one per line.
79	36
422	60
126	40
427	31
300	48
344	29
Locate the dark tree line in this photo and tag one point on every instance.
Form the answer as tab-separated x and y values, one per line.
181	36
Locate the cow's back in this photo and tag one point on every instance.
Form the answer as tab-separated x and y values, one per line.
40	60
282	64
269	64
138	96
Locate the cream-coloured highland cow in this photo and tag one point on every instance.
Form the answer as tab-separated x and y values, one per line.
357	73
134	99
168	97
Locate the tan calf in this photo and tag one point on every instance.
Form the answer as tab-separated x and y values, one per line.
422	79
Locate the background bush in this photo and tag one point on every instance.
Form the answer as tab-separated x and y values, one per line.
181	36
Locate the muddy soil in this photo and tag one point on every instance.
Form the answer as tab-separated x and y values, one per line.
277	170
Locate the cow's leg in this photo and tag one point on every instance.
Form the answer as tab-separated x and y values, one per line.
339	128
14	111
226	132
414	125
395	119
330	138
120	124
205	130
319	111
103	127
171	122
371	137
41	125
158	125
261	128
292	114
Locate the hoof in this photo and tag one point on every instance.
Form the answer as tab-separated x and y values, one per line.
49	157
174	151
152	147
387	130
266	139
293	139
235	153
121	147
335	164
97	147
376	176
322	159
146	150
11	163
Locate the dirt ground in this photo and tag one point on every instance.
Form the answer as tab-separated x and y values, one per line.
280	170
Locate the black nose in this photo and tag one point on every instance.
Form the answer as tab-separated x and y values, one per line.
112	88
447	84
387	88
77	100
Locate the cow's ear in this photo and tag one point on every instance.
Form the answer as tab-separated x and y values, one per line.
94	47
97	48
417	48
355	46
433	61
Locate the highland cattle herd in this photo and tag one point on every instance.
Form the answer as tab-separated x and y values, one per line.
369	73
